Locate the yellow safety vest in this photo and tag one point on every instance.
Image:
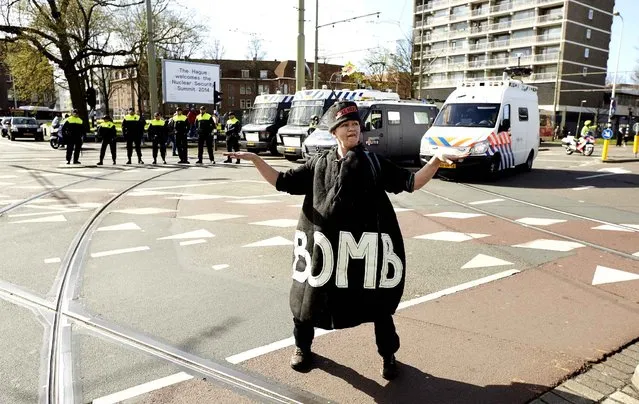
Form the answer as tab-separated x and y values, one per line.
107	125
131	117
74	119
179	118
157	122
205	116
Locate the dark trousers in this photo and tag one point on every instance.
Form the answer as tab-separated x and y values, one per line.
74	144
171	139
182	146
619	139
386	337
159	142
232	144
208	139
111	143
130	141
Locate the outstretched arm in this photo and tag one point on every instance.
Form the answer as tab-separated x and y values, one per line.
427	172
266	171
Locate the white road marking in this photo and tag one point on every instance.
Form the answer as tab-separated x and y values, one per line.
6	184
183	186
48	213
277	223
485	201
7	176
536	221
259	351
451	236
483	261
219	267
252	201
617	228
149	193
87	190
52	260
120	251
212	217
636	254
594	176
275	241
455	215
296	206
34	187
48	219
144	211
118	227
609	275
202	233
192	242
195	197
582	188
551	245
143	388
399	210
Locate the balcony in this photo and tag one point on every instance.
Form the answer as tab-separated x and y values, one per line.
548	58
543	77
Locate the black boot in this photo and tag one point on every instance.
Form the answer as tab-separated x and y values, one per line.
228	160
99	163
237	161
389	369
302	359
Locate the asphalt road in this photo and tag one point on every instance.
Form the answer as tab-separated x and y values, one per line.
186	269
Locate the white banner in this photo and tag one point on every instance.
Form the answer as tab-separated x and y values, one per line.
189	82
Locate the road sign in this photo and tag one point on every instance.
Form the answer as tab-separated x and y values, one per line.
607	133
635	127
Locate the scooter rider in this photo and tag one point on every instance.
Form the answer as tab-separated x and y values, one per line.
108	133
158	130
581	142
132	130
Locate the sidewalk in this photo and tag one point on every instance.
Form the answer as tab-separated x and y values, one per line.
608	382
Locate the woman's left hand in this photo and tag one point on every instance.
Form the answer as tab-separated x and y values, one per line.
449	156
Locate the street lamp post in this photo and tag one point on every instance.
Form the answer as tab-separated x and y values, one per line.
15	96
604	152
581	105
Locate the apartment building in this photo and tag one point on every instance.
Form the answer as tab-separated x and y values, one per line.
565	42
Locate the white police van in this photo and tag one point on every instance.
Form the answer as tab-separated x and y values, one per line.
496	121
392	129
268	115
308	103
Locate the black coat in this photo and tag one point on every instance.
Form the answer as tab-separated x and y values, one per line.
349	237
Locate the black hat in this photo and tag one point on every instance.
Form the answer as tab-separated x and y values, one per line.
231	113
341	112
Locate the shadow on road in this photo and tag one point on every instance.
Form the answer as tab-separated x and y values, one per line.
414	386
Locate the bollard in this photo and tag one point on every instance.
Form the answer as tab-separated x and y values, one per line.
635	145
604	152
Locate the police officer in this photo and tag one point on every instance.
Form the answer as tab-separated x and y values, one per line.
205	124
132	130
74	131
233	127
158	131
312	125
107	131
180	126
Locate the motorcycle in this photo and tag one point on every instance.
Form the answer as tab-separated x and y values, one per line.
56	138
570	144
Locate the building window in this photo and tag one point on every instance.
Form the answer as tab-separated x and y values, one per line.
588	33
231	101
453	44
590	14
263	89
245	104
245	74
242	89
584	71
263	74
249	89
586	53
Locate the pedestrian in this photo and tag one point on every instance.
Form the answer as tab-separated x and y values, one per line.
191	116
349	260
180	126
233	127
564	132
205	125
555	134
74	131
108	133
620	136
158	130
132	129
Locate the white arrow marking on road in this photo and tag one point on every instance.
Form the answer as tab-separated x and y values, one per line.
195	197
278	223
191	242
398	210
120	251
52	260
202	233
582	188
252	201
220	266
617	228
450	236
212	217
455	215
144	211
86	190
551	245
4	177
48	219
118	227
275	241
610	275
535	221
482	261
5	184
636	254
614	170
485	201
48	213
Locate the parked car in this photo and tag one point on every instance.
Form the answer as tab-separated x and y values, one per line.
4	125
25	127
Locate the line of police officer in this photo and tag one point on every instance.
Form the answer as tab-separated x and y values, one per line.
159	129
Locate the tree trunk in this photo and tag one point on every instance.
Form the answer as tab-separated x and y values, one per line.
76	91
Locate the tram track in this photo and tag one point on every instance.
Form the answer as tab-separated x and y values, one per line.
60	314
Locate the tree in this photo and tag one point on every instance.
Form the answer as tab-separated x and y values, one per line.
68	33
32	72
255	53
392	70
216	53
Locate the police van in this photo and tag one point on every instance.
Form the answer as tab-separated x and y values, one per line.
308	103
392	129
496	121
269	114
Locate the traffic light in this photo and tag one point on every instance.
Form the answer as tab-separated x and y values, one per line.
217	97
91	97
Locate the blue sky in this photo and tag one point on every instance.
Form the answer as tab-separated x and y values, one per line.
235	22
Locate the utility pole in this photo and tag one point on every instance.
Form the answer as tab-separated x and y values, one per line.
15	96
315	64
299	66
152	68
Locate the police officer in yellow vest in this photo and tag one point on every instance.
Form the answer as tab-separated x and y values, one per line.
108	133
73	129
205	125
233	127
158	131
180	126
132	129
